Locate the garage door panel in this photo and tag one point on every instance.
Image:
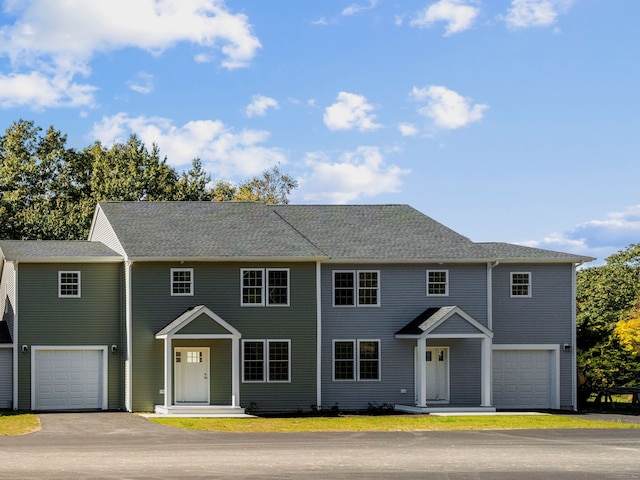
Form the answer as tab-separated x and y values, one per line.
522	378
68	379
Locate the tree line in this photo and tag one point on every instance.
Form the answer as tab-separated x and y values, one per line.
49	190
608	323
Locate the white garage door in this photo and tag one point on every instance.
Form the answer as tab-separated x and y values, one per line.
6	377
522	378
68	379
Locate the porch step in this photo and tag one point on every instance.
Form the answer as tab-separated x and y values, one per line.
443	410
200	411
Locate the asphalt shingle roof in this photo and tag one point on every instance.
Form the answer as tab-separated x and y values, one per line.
55	249
205	230
231	230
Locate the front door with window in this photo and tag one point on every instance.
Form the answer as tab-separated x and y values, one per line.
437	374
191	367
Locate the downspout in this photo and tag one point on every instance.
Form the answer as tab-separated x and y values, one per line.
318	336
574	365
15	336
490	267
129	338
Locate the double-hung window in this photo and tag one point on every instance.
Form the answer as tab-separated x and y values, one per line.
521	284
437	283
264	286
182	281
356	360
356	288
266	361
69	284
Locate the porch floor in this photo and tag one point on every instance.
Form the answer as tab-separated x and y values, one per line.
200	411
445	409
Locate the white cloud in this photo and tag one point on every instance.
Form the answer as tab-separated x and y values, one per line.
39	91
535	13
225	153
458	15
259	106
447	109
51	39
143	83
356	8
407	129
352	176
349	112
597	238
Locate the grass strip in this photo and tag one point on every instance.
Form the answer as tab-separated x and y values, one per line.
387	423
17	423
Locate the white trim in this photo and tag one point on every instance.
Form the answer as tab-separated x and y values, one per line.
175	369
190	315
554	349
355	360
204	336
79	283
356	289
173	281
333	359
574	366
15	336
266	359
318	336
264	287
529	285
128	395
370	340
104	397
446	284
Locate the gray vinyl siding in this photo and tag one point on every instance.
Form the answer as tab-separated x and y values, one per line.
402	298
217	286
545	318
95	319
8	295
6	377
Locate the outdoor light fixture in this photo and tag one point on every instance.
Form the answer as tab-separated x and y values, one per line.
114	348
567	347
25	348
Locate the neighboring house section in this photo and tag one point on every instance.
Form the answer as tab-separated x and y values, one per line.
201	307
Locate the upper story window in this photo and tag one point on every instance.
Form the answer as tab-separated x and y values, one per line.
437	283
266	360
69	284
181	281
356	360
356	288
521	284
264	286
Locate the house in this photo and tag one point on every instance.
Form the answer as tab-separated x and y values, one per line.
200	307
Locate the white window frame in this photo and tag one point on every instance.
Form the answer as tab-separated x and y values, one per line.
266	360
446	284
79	283
356	288
190	283
528	284
264	287
357	377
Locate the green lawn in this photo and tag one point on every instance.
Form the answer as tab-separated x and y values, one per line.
387	423
18	423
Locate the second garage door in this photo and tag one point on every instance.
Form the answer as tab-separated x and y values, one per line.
68	379
522	378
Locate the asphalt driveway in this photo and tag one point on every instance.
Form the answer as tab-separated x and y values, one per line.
124	446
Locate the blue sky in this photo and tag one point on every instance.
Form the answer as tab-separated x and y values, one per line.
506	120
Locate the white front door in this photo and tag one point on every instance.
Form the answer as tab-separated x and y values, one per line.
436	374
191	366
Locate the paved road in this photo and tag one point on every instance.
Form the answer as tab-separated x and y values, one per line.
124	446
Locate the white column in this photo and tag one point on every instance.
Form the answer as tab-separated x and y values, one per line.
422	367
485	365
168	363
235	375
